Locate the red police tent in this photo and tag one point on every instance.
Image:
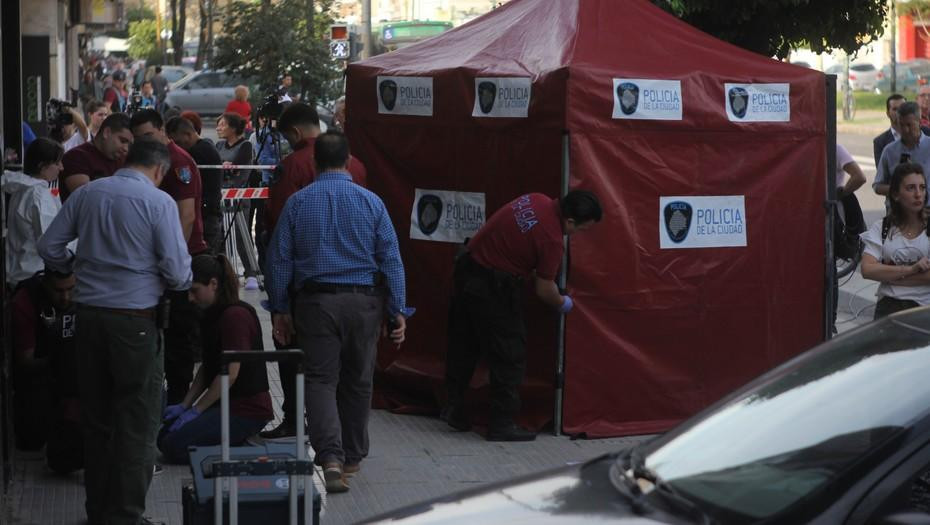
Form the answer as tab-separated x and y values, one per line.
709	160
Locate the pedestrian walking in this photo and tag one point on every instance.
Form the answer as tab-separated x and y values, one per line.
336	246
521	240
131	250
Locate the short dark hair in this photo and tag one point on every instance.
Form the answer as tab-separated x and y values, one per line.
582	206
148	152
179	124
331	150
891	98
40	153
157	69
144	82
116	122
147	115
298	115
235	121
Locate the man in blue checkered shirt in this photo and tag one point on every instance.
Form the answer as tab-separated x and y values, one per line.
335	246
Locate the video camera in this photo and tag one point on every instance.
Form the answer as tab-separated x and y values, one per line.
271	108
56	111
134	103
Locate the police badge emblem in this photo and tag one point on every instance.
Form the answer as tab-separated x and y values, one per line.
739	101
429	210
677	216
184	175
388	91
487	92
628	95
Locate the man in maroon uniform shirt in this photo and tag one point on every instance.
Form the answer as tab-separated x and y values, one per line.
300	125
521	240
98	158
184	185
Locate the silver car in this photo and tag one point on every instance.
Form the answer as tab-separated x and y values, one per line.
207	92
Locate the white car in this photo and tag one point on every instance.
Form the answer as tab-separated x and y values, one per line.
862	76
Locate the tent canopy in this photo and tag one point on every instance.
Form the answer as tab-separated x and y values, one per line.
653	116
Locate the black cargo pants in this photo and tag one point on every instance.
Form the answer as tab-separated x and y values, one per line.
486	319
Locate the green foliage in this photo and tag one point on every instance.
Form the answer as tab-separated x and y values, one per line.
133	14
775	27
142	40
864	100
263	40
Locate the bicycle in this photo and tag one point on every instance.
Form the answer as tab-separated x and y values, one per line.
849	104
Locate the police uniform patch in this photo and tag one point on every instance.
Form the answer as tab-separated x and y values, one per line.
184	175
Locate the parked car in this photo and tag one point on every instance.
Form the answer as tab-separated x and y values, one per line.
839	434
206	91
911	76
171	73
862	77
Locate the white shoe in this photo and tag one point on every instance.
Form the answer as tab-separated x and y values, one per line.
251	283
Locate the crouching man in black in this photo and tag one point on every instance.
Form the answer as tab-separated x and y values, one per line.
46	408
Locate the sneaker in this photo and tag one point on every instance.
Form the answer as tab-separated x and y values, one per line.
283	431
456	418
157	469
510	432
251	283
335	478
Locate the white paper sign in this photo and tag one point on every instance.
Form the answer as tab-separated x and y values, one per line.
647	99
446	216
702	222
758	102
405	95
502	97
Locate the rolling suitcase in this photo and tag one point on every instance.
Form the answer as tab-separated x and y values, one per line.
277	479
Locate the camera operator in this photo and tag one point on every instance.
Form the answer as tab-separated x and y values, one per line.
96	112
66	126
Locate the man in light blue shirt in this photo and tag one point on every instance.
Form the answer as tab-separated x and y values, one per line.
911	146
130	249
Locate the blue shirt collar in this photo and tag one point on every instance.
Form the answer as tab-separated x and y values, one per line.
334	175
133	174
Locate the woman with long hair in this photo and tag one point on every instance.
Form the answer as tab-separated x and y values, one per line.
228	324
897	248
235	149
31	208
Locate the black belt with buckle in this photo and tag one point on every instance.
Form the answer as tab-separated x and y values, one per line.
312	287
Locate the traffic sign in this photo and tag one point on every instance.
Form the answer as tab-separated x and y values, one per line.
339	49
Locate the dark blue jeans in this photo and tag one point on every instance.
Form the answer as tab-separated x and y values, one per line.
204	431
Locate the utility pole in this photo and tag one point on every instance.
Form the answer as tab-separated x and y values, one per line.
894	48
366	29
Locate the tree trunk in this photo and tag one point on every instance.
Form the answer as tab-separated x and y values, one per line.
210	11
311	9
202	38
173	5
182	24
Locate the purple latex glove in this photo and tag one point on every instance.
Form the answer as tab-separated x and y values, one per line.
173	411
189	415
567	304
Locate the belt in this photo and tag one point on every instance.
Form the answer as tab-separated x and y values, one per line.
315	287
145	313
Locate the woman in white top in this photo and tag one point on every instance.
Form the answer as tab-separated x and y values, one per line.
897	248
97	111
32	207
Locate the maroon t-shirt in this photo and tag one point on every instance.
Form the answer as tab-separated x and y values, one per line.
237	332
85	159
183	182
523	236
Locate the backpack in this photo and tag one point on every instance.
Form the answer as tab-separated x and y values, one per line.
847	228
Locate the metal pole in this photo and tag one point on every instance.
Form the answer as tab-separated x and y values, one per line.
894	47
366	29
830	261
560	359
301	452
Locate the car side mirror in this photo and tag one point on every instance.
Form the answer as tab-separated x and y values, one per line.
905	518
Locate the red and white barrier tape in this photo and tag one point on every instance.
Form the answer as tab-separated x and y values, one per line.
245	193
237	167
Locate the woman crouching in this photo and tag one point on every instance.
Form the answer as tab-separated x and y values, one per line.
228	324
897	247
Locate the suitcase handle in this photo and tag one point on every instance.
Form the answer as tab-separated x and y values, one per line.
240	356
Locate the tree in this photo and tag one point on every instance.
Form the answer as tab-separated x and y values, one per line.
142	40
178	25
263	40
775	27
133	14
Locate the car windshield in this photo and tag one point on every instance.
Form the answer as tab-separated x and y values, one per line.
814	423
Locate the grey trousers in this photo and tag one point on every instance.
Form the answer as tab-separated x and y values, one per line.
338	333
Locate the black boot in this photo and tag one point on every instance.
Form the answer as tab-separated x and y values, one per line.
456	417
509	432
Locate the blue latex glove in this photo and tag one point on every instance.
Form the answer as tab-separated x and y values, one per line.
191	414
173	411
567	304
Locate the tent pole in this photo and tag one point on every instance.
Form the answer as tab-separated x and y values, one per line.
560	359
830	263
